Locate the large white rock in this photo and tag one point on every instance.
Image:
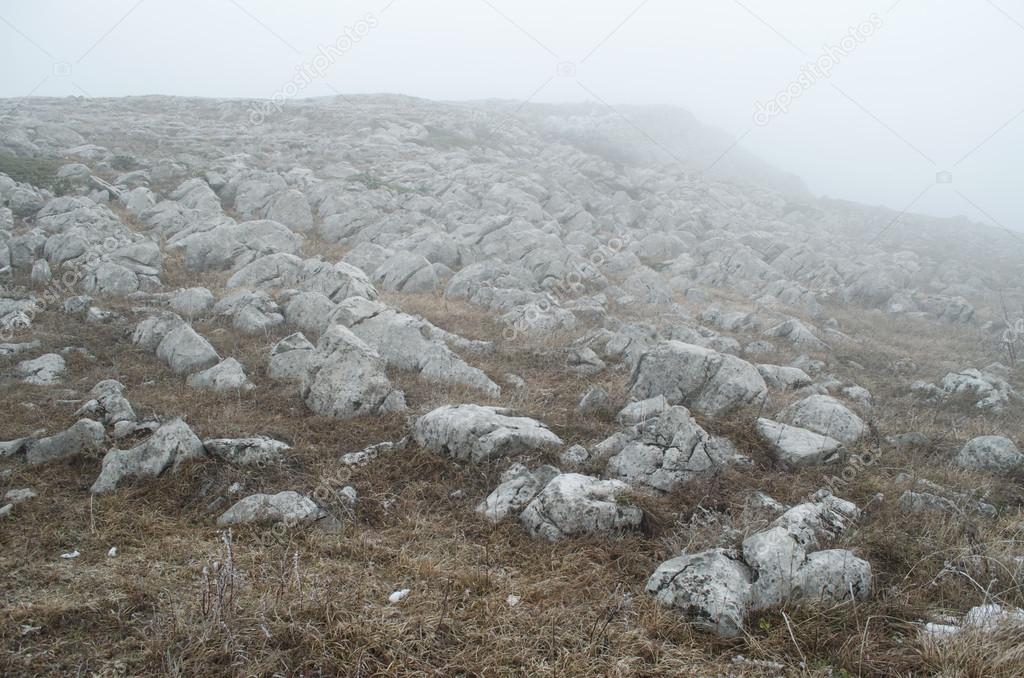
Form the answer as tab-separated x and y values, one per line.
711	589
246	451
997	454
150	332
289	357
662	452
290	508
84	434
185	351
796	446
280	269
227	375
109	403
171	444
250	312
192	302
716	589
368	256
338	281
572	504
406	272
345	378
45	370
310	311
291	208
783	378
518	487
231	246
780	556
478	433
798	334
707	382
827	416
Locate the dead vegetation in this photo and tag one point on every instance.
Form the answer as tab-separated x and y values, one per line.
183	598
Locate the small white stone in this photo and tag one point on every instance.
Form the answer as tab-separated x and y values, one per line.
513	600
70	555
112	553
398	596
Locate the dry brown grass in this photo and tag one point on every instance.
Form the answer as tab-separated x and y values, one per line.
312	602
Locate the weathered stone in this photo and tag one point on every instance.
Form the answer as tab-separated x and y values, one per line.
572	505
246	451
476	433
227	375
289	357
827	416
706	381
84	435
289	508
996	454
711	589
171	445
345	378
185	351
796	446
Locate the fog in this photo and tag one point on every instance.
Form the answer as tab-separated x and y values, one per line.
921	109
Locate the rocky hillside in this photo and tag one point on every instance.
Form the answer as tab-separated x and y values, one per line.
375	384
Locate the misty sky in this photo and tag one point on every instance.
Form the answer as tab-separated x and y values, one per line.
932	87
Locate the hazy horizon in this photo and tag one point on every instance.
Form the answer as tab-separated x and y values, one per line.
912	93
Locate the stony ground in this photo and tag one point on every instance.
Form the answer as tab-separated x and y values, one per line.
785	405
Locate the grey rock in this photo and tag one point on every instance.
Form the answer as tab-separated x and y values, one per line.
171	445
192	302
663	452
185	351
708	382
409	343
289	508
477	433
596	399
345	378
246	451
711	589
642	410
289	357
572	504
227	375
150	332
996	454
406	272
827	416
783	378
45	370
518	487
310	311
796	446
84	435
113	406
